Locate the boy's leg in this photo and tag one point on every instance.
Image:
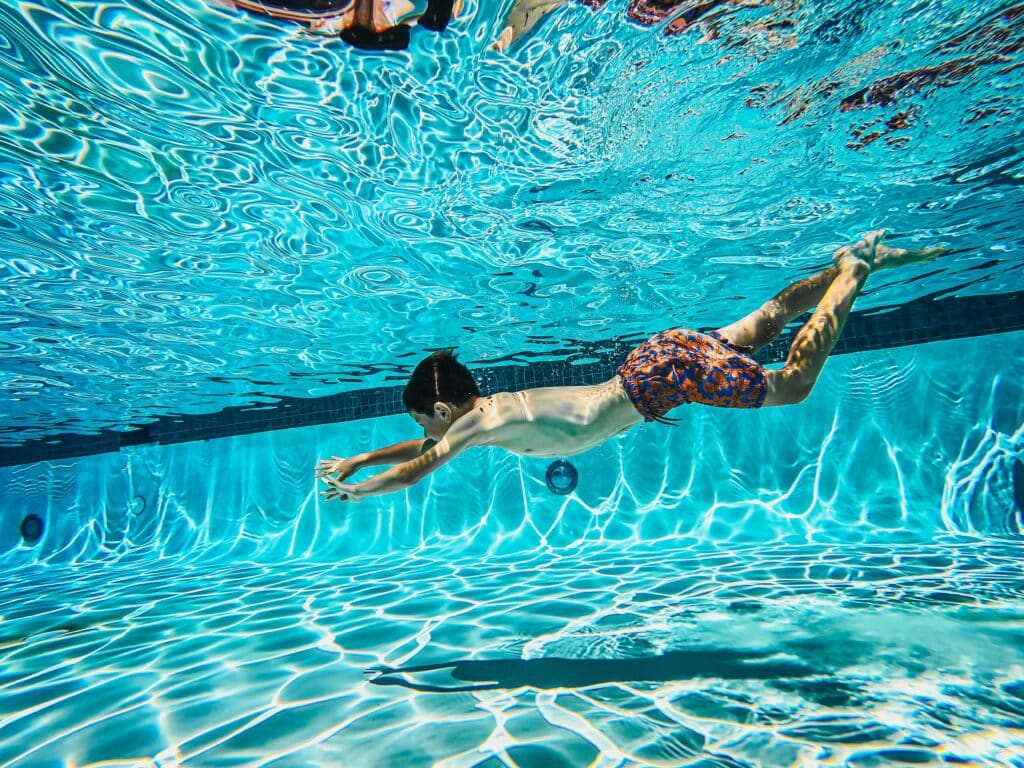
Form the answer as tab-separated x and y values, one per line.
815	340
767	321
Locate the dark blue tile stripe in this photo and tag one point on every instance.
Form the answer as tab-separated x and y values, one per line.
916	322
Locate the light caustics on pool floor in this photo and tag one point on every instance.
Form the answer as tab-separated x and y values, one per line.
856	655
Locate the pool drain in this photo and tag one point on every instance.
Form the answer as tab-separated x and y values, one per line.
562	477
31	529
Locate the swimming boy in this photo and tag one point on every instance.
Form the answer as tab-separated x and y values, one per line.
669	369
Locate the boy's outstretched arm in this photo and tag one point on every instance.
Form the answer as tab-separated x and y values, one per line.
460	437
392	454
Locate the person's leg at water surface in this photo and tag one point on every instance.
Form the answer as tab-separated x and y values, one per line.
524	15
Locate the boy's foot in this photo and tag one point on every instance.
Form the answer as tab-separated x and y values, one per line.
887	258
863	252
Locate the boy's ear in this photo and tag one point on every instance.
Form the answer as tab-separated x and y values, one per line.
443	410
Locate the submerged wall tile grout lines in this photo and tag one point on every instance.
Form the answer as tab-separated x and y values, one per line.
917	322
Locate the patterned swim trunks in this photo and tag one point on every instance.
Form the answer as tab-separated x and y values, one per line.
679	366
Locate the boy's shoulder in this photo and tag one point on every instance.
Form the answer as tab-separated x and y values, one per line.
490	414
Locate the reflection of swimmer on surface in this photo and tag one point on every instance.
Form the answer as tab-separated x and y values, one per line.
364	24
525	14
990	43
670	369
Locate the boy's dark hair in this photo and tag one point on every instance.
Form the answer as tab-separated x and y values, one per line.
439	378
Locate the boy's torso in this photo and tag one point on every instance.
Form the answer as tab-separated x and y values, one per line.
557	421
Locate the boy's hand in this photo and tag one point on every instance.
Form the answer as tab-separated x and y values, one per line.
340	467
341	491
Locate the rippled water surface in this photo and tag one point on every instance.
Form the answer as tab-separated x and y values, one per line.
202	207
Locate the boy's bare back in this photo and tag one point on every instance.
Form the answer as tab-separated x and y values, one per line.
551	421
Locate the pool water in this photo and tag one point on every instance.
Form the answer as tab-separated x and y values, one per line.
204	209
852	604
604	655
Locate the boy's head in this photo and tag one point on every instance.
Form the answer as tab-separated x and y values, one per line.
438	390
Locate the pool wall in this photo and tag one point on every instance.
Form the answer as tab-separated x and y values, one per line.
898	445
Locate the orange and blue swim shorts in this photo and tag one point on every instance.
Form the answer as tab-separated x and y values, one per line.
679	366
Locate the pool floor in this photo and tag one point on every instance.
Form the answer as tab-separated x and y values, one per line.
607	656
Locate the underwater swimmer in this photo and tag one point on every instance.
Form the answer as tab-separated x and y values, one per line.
671	368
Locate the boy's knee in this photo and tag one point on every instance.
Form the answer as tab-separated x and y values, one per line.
796	388
801	392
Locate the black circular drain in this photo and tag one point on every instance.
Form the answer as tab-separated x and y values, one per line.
31	529
562	477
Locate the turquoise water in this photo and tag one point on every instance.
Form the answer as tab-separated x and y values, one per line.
835	583
203	209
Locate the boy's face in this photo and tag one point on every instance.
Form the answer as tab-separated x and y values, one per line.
435	424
